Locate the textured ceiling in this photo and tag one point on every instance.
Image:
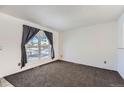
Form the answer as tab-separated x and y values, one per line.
63	18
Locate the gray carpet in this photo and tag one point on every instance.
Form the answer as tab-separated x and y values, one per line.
65	74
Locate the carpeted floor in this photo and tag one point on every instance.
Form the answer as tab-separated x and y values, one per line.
65	74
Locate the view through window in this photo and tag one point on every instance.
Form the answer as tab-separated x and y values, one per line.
38	47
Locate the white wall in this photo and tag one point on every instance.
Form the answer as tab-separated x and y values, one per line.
10	42
91	45
120	66
121	31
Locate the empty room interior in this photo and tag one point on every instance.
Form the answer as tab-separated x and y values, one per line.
61	45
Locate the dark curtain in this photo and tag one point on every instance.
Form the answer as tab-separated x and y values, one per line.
28	34
50	39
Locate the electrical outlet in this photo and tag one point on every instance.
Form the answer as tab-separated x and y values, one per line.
61	56
19	64
105	62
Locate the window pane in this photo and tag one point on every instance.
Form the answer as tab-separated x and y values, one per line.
38	47
45	50
32	48
44	45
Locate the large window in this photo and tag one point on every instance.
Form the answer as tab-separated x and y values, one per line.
38	47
